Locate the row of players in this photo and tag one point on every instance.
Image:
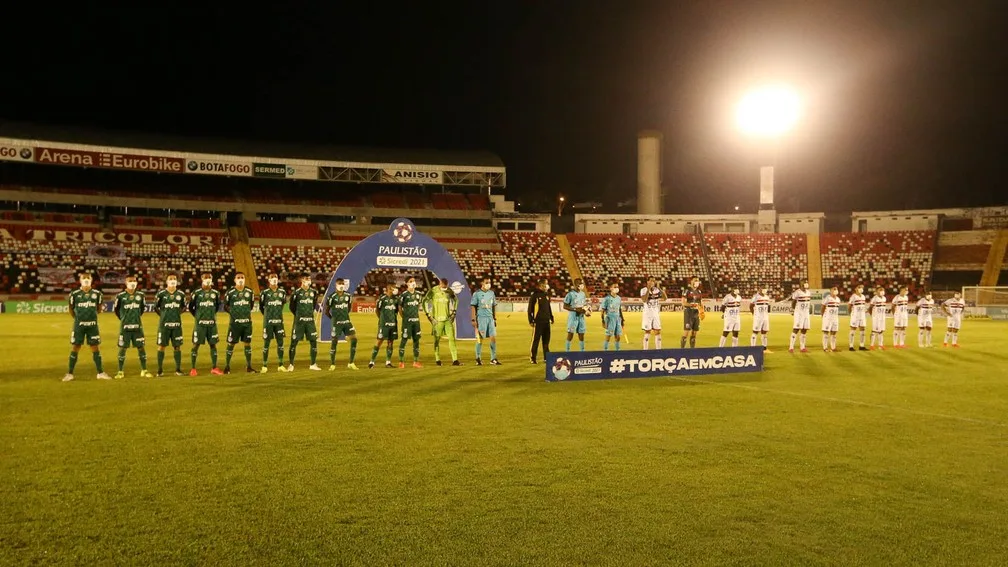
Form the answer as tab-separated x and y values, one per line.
801	299
439	305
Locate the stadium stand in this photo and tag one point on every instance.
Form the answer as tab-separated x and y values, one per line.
878	258
671	258
50	266
524	258
747	261
284	230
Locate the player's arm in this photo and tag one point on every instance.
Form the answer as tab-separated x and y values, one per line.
532	307
291	304
493	311
192	304
227	302
664	295
262	302
116	306
70	302
453	304
822	308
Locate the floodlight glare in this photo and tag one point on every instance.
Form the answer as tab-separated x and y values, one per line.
768	111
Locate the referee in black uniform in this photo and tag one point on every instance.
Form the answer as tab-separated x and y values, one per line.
692	304
540	317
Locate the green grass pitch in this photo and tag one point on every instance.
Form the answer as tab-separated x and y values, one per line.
867	458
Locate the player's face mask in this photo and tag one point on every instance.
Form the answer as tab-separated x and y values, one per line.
411	286
85	282
735	291
486	287
239	282
340	287
274	281
764	291
581	286
207	282
444	285
695	284
395	291
306	283
928	296
131	285
172	283
614	291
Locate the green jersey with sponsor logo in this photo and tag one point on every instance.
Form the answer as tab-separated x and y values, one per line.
302	303
410	302
84	305
169	306
129	308
338	305
239	304
271	303
388	310
204	304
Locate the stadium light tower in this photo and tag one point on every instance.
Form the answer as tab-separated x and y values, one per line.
768	113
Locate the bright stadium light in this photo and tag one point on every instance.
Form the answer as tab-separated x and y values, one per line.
768	111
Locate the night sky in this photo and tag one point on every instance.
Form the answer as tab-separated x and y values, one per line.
904	100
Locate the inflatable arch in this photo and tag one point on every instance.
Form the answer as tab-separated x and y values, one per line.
405	248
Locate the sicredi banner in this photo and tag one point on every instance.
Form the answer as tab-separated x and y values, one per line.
664	363
36	307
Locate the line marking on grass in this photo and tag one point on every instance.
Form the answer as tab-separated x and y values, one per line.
846	401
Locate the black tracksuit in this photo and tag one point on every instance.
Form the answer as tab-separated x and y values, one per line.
541	315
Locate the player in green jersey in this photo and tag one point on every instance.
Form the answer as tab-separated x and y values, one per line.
85	305
409	308
203	304
302	304
440	305
271	305
387	310
129	308
238	303
337	308
169	305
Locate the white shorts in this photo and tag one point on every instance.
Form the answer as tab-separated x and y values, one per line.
801	320
651	320
830	324
900	320
925	322
732	323
761	323
857	319
954	322
878	324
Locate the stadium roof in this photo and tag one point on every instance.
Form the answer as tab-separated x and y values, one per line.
78	135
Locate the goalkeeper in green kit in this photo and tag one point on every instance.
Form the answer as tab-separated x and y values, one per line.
440	305
129	308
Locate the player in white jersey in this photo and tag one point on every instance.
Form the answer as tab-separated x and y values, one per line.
925	311
731	312
953	309
858	305
878	312
760	308
901	317
653	296
801	301
830	319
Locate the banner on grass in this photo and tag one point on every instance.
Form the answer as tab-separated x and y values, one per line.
601	365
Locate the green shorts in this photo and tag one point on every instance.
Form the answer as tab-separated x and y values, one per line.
274	331
387	332
239	332
411	329
131	338
169	335
304	330
344	328
205	334
86	332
